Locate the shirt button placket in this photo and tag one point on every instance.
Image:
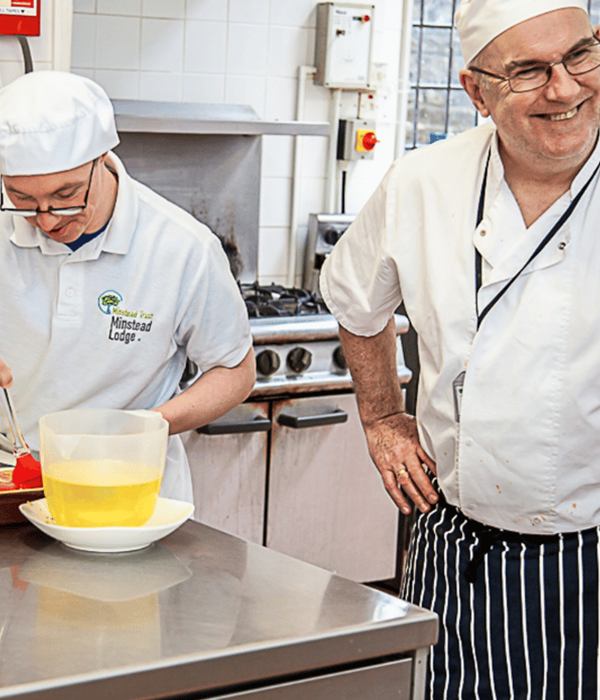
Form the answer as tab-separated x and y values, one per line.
68	301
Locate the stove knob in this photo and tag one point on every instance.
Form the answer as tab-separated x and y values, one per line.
339	358
332	236
267	362
299	359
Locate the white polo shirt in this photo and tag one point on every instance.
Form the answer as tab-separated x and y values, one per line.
525	454
111	324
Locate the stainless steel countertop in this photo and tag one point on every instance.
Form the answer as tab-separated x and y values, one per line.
199	610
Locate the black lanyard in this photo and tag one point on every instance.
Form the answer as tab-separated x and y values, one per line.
557	226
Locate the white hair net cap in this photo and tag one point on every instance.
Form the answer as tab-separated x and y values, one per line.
52	121
480	21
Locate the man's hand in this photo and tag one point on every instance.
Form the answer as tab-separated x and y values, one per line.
392	435
6	377
394	447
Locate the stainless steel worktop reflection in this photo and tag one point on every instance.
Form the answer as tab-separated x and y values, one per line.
198	612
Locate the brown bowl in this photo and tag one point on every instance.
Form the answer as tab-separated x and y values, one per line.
11	500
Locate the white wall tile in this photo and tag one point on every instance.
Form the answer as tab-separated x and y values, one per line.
205	49
312	197
163	87
85	73
215	10
313	155
44	65
117	42
250	11
167	9
119	84
277	156
297	13
10	50
361	184
288	49
84	5
9	70
119	7
247	49
281	99
388	14
83	42
204	88
246	90
317	103
273	246
275	201
162	45
42	46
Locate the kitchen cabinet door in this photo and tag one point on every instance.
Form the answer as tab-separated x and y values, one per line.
229	471
327	504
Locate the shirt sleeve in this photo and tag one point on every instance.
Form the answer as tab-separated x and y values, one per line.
213	322
359	280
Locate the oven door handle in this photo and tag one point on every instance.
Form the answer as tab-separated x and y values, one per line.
256	424
312	421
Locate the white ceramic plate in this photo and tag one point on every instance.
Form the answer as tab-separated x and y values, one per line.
167	517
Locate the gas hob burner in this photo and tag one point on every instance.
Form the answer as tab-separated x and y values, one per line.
264	301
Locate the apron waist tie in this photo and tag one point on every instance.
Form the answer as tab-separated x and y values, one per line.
488	536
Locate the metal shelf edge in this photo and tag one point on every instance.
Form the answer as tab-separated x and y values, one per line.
127	123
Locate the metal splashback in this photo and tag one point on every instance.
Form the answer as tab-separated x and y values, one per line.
207	159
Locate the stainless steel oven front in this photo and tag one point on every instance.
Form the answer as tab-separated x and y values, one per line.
289	468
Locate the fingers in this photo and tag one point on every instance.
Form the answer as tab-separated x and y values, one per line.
415	484
406	484
6	377
391	482
403	464
420	478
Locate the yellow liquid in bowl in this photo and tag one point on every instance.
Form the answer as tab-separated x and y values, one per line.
113	500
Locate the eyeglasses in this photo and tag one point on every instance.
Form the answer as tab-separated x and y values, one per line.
59	211
535	76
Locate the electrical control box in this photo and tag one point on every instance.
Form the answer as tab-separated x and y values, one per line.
356	139
344	45
20	17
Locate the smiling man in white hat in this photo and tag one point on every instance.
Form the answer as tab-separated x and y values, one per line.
105	287
490	240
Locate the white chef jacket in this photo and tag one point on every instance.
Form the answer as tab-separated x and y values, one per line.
525	454
110	325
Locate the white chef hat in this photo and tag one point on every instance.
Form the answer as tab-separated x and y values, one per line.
52	121
480	21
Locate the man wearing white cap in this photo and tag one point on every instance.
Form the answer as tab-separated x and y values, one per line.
106	287
491	240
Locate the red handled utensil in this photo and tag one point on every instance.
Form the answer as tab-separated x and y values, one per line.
27	473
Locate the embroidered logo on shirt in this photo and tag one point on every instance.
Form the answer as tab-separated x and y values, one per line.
125	326
108	301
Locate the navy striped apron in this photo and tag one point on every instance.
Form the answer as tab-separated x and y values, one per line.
518	614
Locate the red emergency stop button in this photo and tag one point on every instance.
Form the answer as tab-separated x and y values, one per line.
366	18
366	140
